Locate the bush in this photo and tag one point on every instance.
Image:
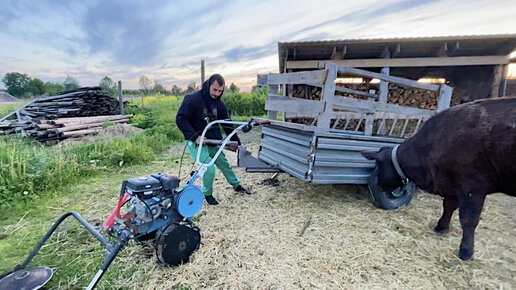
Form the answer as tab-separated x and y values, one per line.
246	104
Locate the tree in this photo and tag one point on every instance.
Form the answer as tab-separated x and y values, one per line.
17	84
145	84
191	88
70	83
36	87
158	88
53	89
108	85
234	88
176	91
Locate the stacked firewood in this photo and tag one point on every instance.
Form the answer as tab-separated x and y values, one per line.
418	98
63	128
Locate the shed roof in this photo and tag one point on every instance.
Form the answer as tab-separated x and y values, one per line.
468	48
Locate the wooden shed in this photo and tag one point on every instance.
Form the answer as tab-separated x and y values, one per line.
476	65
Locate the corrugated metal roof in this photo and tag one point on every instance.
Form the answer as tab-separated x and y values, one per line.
407	47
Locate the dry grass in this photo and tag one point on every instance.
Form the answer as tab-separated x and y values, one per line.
254	242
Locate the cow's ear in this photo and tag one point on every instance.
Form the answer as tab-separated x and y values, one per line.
371	155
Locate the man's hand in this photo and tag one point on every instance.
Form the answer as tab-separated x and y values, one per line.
198	140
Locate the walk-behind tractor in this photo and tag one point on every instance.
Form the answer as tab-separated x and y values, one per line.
155	207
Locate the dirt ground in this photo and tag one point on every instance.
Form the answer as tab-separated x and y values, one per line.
257	241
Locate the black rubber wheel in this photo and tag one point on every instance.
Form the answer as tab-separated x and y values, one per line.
389	200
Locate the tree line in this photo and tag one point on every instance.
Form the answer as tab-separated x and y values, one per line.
24	86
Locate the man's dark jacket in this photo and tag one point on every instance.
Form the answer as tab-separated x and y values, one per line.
199	108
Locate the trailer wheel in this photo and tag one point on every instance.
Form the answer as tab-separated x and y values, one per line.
389	200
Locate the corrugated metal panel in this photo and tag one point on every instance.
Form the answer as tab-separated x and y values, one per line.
338	159
336	156
286	148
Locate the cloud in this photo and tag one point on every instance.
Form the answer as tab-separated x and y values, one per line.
242	53
166	40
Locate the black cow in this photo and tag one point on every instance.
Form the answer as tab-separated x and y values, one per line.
462	154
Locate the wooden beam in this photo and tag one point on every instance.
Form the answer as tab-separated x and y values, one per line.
328	96
356	115
388	78
366	106
396	51
306	77
385	52
333	53
497	79
350	91
445	95
443	50
407	62
294	105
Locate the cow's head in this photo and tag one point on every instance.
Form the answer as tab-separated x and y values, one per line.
388	178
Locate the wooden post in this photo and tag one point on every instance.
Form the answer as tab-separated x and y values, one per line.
202	72
445	96
497	80
503	82
382	95
328	96
120	100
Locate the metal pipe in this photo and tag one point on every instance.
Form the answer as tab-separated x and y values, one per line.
88	226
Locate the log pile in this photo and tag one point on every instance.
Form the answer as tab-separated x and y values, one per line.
65	115
417	98
63	128
87	101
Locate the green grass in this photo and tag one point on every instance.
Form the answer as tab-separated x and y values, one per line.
71	250
39	183
7	108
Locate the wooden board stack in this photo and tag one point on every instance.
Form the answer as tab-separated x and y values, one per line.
70	114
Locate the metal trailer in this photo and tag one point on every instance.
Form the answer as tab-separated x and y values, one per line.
320	153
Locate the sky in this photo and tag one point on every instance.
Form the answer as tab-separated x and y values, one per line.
166	40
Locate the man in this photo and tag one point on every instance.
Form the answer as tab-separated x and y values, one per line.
197	110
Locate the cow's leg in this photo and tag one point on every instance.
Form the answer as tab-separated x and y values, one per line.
450	204
470	207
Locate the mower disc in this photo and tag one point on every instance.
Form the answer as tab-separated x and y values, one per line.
28	278
175	243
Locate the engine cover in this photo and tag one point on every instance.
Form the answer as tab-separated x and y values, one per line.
175	243
144	187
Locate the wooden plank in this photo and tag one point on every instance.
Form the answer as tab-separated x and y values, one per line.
445	96
87	125
120	99
393	125
355	92
406	62
396	51
80	132
307	77
368	126
497	79
261	79
407	120
294	105
366	106
388	78
350	91
351	115
328	96
89	119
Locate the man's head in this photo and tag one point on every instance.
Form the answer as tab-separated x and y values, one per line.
216	86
